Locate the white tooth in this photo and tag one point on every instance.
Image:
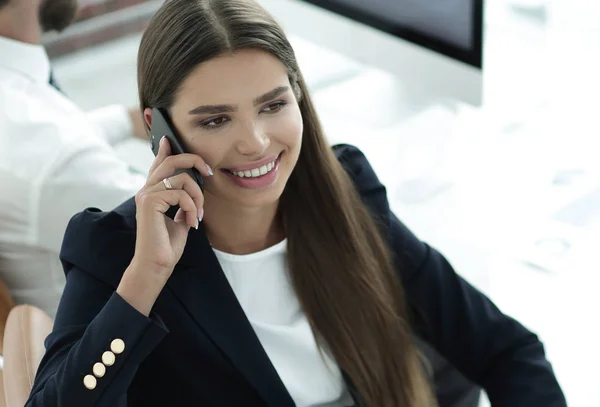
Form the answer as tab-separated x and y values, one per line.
269	166
240	174
263	170
247	173
255	172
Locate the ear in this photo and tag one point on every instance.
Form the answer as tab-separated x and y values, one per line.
148	116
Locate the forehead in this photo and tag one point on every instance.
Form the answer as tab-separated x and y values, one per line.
234	78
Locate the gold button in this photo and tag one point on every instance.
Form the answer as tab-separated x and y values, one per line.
99	369
117	346
90	382
108	358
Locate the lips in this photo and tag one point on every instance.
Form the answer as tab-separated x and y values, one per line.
255	170
256	182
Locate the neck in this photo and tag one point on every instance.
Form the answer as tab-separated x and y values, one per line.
20	23
237	230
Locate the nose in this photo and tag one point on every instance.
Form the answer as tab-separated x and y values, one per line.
252	141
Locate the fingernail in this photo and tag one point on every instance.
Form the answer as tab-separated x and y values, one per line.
160	143
200	215
210	171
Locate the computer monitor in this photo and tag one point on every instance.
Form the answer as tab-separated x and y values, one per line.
431	45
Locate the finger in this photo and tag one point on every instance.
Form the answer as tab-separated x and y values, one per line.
173	163
180	216
170	165
163	200
164	150
185	182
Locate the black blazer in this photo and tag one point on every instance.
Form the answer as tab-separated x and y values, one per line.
197	348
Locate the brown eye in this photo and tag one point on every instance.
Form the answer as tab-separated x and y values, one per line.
214	123
274	107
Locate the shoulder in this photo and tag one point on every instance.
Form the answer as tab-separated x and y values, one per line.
353	160
43	133
409	251
360	171
101	243
34	114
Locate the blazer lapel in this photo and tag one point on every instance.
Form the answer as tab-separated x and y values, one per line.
199	283
356	397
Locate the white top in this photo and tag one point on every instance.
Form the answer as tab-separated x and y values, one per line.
263	288
55	160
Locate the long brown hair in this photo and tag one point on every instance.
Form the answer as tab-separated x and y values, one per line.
340	266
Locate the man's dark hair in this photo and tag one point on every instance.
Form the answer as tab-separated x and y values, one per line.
3	3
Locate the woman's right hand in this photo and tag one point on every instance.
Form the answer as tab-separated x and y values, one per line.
160	240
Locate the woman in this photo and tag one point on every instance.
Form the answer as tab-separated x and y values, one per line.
281	283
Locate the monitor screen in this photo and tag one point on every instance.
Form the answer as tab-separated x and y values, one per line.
451	27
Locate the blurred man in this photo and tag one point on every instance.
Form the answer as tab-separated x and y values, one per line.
55	160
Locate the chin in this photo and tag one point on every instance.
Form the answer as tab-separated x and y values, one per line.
259	197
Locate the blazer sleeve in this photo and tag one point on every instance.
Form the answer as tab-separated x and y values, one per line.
490	348
89	318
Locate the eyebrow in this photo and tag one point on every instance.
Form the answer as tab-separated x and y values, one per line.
215	109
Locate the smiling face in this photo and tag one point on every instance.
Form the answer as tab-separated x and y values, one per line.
239	113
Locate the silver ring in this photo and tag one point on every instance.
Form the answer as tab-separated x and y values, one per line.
167	183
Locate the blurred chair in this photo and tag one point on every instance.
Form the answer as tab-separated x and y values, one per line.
2	397
26	329
6	304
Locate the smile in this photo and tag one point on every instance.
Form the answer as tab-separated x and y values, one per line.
256	176
255	172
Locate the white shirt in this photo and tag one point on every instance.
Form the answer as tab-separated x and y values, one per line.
55	160
263	288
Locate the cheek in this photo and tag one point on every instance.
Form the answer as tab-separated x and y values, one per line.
288	128
211	149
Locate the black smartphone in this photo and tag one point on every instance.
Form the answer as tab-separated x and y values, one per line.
161	126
